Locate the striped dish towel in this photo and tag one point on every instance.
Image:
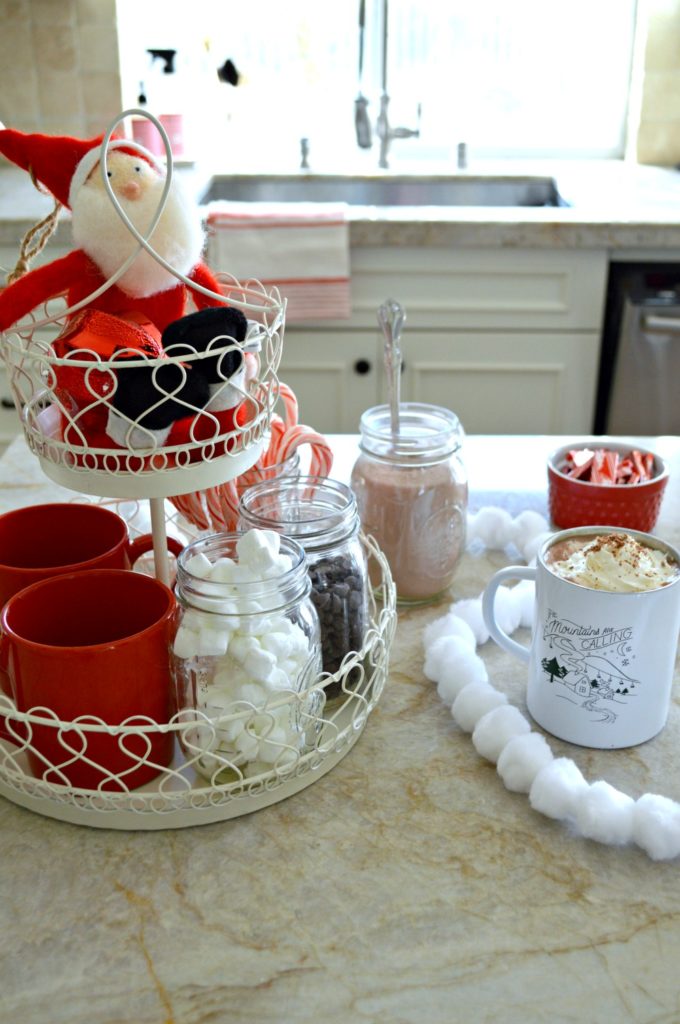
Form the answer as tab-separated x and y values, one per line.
301	248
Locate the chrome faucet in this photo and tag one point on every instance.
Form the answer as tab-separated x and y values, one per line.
385	133
383	129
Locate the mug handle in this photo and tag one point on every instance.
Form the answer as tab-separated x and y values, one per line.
512	572
140	545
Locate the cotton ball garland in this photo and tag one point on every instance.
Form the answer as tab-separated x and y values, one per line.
448	625
524	594
473	701
492	526
521	760
458	668
437	653
507	611
526	526
656	826
557	788
605	814
470	611
496	728
533	546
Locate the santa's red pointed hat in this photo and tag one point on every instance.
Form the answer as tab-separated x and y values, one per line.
61	163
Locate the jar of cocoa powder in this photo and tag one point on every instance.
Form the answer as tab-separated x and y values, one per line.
411	491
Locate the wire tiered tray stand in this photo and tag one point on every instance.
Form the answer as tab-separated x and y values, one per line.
140	467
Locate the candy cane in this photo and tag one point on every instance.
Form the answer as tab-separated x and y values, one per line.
321	458
290	404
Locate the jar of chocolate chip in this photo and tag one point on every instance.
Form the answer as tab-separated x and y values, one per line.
321	515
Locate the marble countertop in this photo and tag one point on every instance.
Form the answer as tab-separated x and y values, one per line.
407	885
616	205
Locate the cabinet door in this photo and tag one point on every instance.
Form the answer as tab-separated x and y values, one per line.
334	375
506	383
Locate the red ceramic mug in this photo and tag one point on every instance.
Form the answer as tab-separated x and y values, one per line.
94	643
40	541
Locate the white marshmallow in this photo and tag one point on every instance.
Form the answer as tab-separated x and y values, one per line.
186	643
521	760
473	701
259	665
222	570
605	814
212	641
496	728
258	549
199	565
557	789
656	826
280	644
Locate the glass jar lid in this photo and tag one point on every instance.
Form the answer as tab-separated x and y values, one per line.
427	433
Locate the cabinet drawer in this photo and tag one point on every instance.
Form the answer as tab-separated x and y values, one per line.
482	288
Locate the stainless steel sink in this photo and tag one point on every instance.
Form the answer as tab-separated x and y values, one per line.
388	190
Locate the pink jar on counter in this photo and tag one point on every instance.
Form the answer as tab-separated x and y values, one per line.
411	491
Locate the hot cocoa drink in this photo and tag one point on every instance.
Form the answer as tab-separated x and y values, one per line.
615	562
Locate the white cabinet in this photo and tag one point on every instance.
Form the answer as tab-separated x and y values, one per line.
508	339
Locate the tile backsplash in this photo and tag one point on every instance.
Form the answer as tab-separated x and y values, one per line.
59	65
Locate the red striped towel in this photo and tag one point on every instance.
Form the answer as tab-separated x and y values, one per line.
301	248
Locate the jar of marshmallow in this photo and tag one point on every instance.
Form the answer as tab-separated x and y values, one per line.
246	655
321	515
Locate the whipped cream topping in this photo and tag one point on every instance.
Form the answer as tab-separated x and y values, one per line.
616	562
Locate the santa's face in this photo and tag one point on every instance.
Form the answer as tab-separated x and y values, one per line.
99	230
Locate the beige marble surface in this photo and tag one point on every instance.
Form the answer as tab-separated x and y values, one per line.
615	206
405	886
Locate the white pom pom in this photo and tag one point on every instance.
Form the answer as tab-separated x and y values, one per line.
459	667
532	547
506	610
524	593
605	814
448	625
557	788
656	826
436	654
521	760
496	728
526	526
493	526
470	611
473	701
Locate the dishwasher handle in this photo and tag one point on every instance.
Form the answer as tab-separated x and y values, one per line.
667	324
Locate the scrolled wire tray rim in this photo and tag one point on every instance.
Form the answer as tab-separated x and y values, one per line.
198	802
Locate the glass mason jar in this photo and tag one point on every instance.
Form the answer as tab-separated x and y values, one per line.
321	515
246	653
411	491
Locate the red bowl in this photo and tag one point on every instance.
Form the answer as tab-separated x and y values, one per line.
580	503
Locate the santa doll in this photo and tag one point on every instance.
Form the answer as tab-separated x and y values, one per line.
145	300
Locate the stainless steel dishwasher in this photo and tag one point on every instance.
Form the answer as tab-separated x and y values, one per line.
640	369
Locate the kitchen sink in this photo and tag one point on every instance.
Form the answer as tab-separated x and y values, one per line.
387	190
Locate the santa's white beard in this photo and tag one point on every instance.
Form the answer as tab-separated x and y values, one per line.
100	232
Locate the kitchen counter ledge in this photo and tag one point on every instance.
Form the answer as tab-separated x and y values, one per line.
615	206
406	886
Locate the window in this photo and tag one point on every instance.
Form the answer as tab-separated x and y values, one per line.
527	78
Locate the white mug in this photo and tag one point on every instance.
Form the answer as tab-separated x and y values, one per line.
601	663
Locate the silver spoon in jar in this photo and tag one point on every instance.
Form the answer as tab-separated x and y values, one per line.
391	317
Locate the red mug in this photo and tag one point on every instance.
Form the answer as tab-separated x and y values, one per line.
94	643
40	541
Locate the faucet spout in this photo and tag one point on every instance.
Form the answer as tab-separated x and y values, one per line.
383	129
